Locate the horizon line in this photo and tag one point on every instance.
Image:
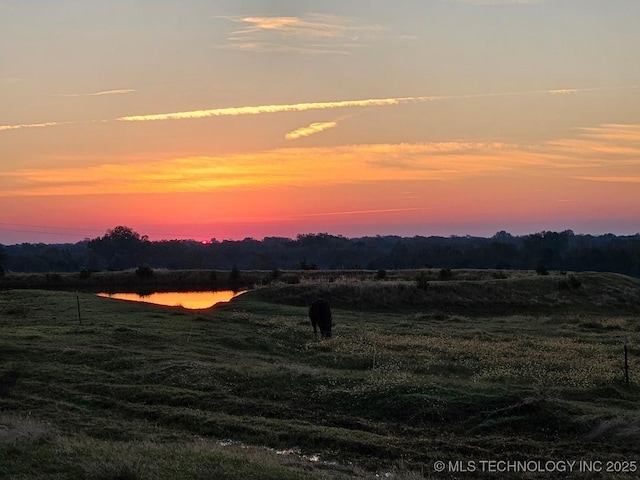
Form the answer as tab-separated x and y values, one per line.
187	238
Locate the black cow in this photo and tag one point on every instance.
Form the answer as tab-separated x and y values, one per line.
320	315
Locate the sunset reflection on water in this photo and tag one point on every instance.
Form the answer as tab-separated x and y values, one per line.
189	300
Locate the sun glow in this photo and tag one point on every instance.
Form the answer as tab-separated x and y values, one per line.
587	156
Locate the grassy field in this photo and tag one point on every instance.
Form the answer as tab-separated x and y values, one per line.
480	367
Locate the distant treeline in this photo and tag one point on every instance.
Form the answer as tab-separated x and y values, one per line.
122	249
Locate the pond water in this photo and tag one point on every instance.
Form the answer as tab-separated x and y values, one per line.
189	300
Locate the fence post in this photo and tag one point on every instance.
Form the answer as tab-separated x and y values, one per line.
626	362
80	316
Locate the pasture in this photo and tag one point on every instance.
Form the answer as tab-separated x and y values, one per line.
478	367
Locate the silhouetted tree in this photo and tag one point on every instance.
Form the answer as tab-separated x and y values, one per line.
3	255
235	278
121	247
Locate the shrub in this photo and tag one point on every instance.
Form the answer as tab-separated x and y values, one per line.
274	276
8	380
144	272
445	274
304	265
574	282
84	274
571	282
53	277
381	275
291	279
235	277
422	281
542	270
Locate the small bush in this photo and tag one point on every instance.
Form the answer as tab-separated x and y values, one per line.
8	380
84	274
304	265
445	274
20	311
570	283
574	281
381	274
291	279
144	272
235	277
422	281
53	277
542	270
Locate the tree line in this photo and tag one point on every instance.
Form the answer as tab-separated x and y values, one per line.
123	248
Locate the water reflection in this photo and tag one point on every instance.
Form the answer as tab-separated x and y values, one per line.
189	300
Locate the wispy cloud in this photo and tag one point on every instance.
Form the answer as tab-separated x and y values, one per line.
499	2
310	130
46	124
277	108
361	212
97	94
610	179
566	91
30	125
313	33
287	166
613	132
373	102
597	154
302	107
610	140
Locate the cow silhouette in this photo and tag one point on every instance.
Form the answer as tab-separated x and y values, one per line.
320	315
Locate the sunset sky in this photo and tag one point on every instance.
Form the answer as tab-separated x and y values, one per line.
251	118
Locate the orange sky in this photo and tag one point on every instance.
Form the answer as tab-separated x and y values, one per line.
184	120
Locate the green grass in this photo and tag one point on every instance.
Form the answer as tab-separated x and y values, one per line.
468	369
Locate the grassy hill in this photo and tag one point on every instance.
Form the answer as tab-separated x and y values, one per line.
472	292
467	369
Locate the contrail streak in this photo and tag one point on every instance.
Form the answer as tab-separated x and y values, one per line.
362	212
301	107
372	102
46	124
30	125
295	107
96	94
310	130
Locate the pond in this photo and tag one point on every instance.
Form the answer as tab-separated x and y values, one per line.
188	300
